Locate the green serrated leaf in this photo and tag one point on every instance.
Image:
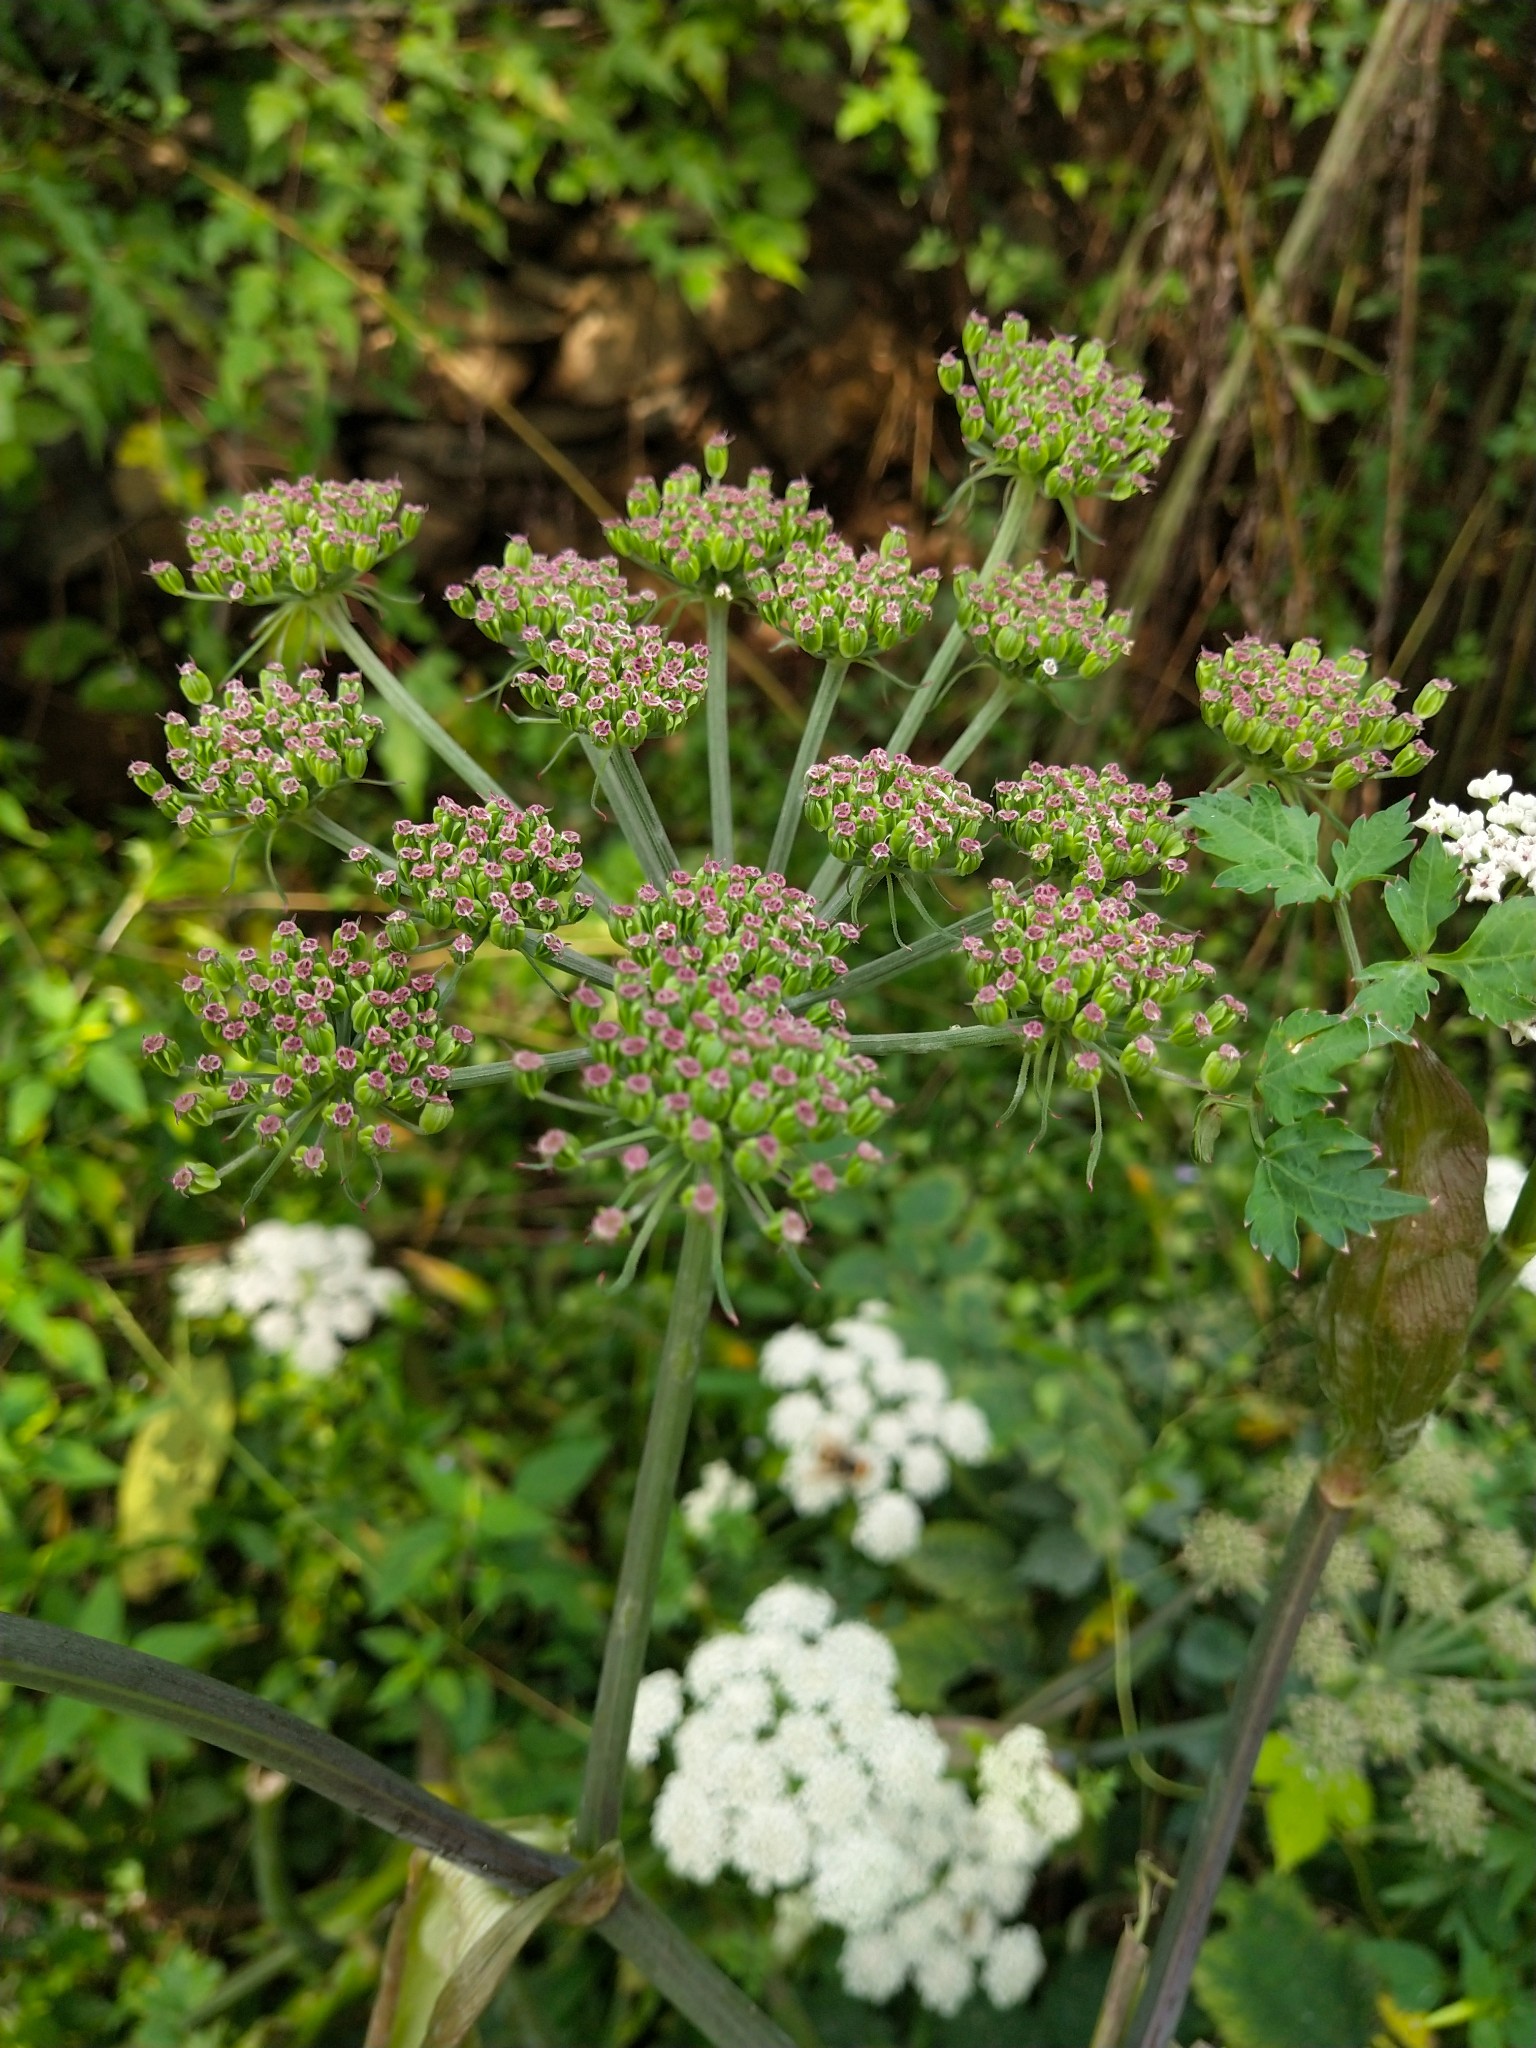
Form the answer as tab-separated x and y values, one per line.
1497	966
1273	1978
1377	844
1419	902
1302	1058
1393	995
1266	843
1316	1174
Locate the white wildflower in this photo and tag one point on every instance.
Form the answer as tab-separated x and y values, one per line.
306	1289
1495	849
658	1709
720	1492
888	1526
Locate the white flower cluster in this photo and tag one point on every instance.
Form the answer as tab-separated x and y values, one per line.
796	1768
721	1491
862	1421
1494	847
1506	1177
306	1289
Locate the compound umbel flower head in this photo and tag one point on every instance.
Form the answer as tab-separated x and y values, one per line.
885	812
1055	411
488	871
1084	827
702	535
305	1043
1041	626
616	683
543	591
291	541
834	603
699	1052
1290	711
255	756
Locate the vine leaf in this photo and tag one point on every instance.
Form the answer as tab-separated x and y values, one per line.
1317	1174
1267	844
1419	902
1377	844
1497	966
1302	1057
1393	995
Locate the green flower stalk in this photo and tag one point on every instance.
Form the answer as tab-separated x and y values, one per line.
1289	711
486	871
256	756
831	602
885	813
293	541
1075	825
1055	412
310	1042
704	536
1040	626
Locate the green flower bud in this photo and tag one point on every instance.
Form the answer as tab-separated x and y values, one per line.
435	1117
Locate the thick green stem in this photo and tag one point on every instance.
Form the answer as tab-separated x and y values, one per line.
717	725
954	1039
935	681
621	783
336	835
629	1629
900	960
823	704
404	705
1315	1531
980	725
58	1660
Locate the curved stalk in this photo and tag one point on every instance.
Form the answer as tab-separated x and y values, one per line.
717	725
624	788
58	1660
417	716
1313	1534
629	1629
935	679
823	704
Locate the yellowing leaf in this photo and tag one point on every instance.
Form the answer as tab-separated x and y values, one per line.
172	1467
1095	1632
449	1282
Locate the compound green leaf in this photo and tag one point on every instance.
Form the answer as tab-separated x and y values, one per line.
1302	1059
1264	843
1497	966
1419	902
1317	1174
1393	995
1377	844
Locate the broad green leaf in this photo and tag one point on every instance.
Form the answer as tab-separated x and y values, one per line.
1296	1816
936	1648
74	1465
1264	843
1273	1978
1302	1059
451	1283
1393	995
1419	902
15	823
968	1563
1497	966
1377	843
1302	1811
171	1471
27	1109
552	1477
1211	1650
1059	1559
407	1561
112	1075
1317	1174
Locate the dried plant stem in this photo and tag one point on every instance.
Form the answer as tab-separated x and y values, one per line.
717	725
823	704
1313	1534
421	721
629	1628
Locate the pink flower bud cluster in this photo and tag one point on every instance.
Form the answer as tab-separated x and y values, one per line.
832	602
735	921
1044	625
698	1050
1057	411
1290	709
1086	827
259	754
704	535
293	540
543	591
616	683
307	1042
486	871
885	812
1094	974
